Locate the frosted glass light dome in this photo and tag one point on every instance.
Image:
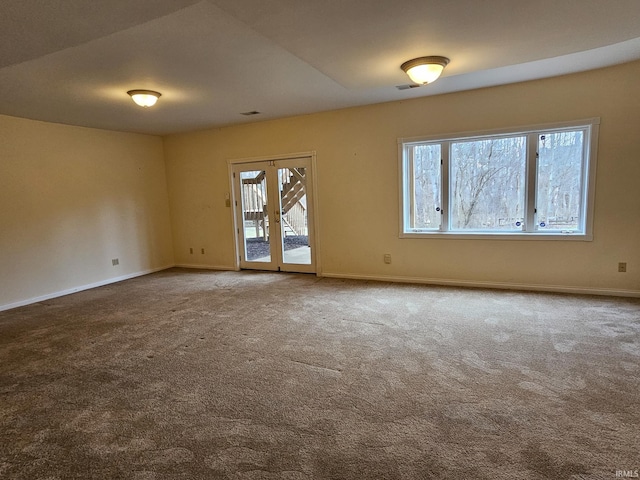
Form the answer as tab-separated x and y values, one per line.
144	98
424	70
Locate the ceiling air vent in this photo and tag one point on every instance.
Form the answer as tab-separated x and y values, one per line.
408	86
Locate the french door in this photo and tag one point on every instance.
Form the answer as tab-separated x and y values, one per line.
274	214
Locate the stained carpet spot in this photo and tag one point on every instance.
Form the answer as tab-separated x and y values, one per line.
632	348
145	475
630	367
170	456
501	337
237	458
541	462
536	388
565	347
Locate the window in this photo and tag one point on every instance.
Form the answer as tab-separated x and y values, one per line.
522	183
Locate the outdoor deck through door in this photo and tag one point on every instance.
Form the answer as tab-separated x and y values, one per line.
274	214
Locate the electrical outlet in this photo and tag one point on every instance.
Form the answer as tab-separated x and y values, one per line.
622	267
115	261
191	251
387	258
202	251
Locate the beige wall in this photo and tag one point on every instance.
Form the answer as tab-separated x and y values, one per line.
71	200
357	171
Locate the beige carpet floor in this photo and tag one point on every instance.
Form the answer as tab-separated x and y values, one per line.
245	375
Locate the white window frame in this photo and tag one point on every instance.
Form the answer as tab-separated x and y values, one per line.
585	233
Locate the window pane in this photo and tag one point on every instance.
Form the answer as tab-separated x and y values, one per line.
488	181
559	187
425	205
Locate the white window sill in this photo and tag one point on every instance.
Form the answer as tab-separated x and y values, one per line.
579	237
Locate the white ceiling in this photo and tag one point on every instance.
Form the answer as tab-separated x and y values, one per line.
73	61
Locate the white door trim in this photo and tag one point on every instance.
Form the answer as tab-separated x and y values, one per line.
313	218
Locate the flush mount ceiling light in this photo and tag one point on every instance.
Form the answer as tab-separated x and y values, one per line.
424	70
144	98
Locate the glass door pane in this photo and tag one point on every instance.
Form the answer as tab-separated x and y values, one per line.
293	216
255	216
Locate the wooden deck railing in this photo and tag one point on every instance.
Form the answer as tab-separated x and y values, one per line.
292	201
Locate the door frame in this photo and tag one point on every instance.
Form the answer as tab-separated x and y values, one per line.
314	220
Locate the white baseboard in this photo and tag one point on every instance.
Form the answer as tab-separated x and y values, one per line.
69	291
497	285
378	278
